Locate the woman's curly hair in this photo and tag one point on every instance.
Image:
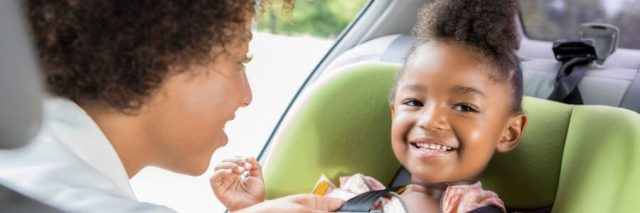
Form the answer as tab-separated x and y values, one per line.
485	26
117	52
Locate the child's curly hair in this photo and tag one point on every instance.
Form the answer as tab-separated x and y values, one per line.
117	52
486	26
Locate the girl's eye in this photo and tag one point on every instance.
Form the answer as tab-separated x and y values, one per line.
412	102
465	108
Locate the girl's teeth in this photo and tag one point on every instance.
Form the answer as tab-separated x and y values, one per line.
434	147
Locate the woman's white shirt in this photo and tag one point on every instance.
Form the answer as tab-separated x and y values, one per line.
71	165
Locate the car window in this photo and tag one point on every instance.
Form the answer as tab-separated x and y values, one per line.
549	20
286	47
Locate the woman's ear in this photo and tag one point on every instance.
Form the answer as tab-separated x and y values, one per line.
512	134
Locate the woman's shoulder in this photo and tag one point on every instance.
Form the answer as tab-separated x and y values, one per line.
48	171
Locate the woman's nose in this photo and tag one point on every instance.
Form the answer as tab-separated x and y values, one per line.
246	91
433	118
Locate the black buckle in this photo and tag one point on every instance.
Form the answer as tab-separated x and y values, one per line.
566	50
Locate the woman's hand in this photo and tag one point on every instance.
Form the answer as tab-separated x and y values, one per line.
233	189
296	203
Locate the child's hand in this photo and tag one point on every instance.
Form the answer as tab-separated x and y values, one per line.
232	189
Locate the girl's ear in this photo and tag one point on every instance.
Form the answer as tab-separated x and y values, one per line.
512	134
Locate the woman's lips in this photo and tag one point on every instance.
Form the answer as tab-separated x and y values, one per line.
225	139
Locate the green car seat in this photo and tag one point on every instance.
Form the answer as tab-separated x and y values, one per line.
581	158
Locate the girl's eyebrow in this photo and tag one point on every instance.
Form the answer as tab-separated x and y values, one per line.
466	90
415	87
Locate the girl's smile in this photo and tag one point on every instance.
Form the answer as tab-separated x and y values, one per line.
427	148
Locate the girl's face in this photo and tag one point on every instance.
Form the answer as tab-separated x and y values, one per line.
187	116
449	115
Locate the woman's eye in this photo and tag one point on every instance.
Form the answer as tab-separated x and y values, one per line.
247	59
412	102
464	108
244	62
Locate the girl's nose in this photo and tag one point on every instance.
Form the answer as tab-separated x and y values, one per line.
433	118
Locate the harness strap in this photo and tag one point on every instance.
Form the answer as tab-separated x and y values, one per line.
569	76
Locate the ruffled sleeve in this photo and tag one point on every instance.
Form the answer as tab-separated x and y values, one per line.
466	198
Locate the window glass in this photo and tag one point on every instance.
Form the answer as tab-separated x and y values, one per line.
560	19
286	47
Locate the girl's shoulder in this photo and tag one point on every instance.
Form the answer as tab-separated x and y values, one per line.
467	198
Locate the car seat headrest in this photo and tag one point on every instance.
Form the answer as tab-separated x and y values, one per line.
605	37
20	84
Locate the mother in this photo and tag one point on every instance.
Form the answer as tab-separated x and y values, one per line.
135	84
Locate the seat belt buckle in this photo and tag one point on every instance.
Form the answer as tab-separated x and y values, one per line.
565	50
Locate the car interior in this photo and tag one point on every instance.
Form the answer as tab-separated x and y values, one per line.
573	157
383	33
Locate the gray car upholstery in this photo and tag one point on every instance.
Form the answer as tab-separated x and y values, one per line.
615	83
20	99
631	99
20	87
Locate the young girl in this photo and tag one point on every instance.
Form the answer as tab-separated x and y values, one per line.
456	102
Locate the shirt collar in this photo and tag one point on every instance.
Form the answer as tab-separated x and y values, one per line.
73	127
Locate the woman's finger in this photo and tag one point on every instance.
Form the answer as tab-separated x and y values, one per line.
237	169
234	160
255	169
239	162
223	178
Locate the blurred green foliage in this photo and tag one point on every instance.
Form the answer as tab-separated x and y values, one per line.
320	18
